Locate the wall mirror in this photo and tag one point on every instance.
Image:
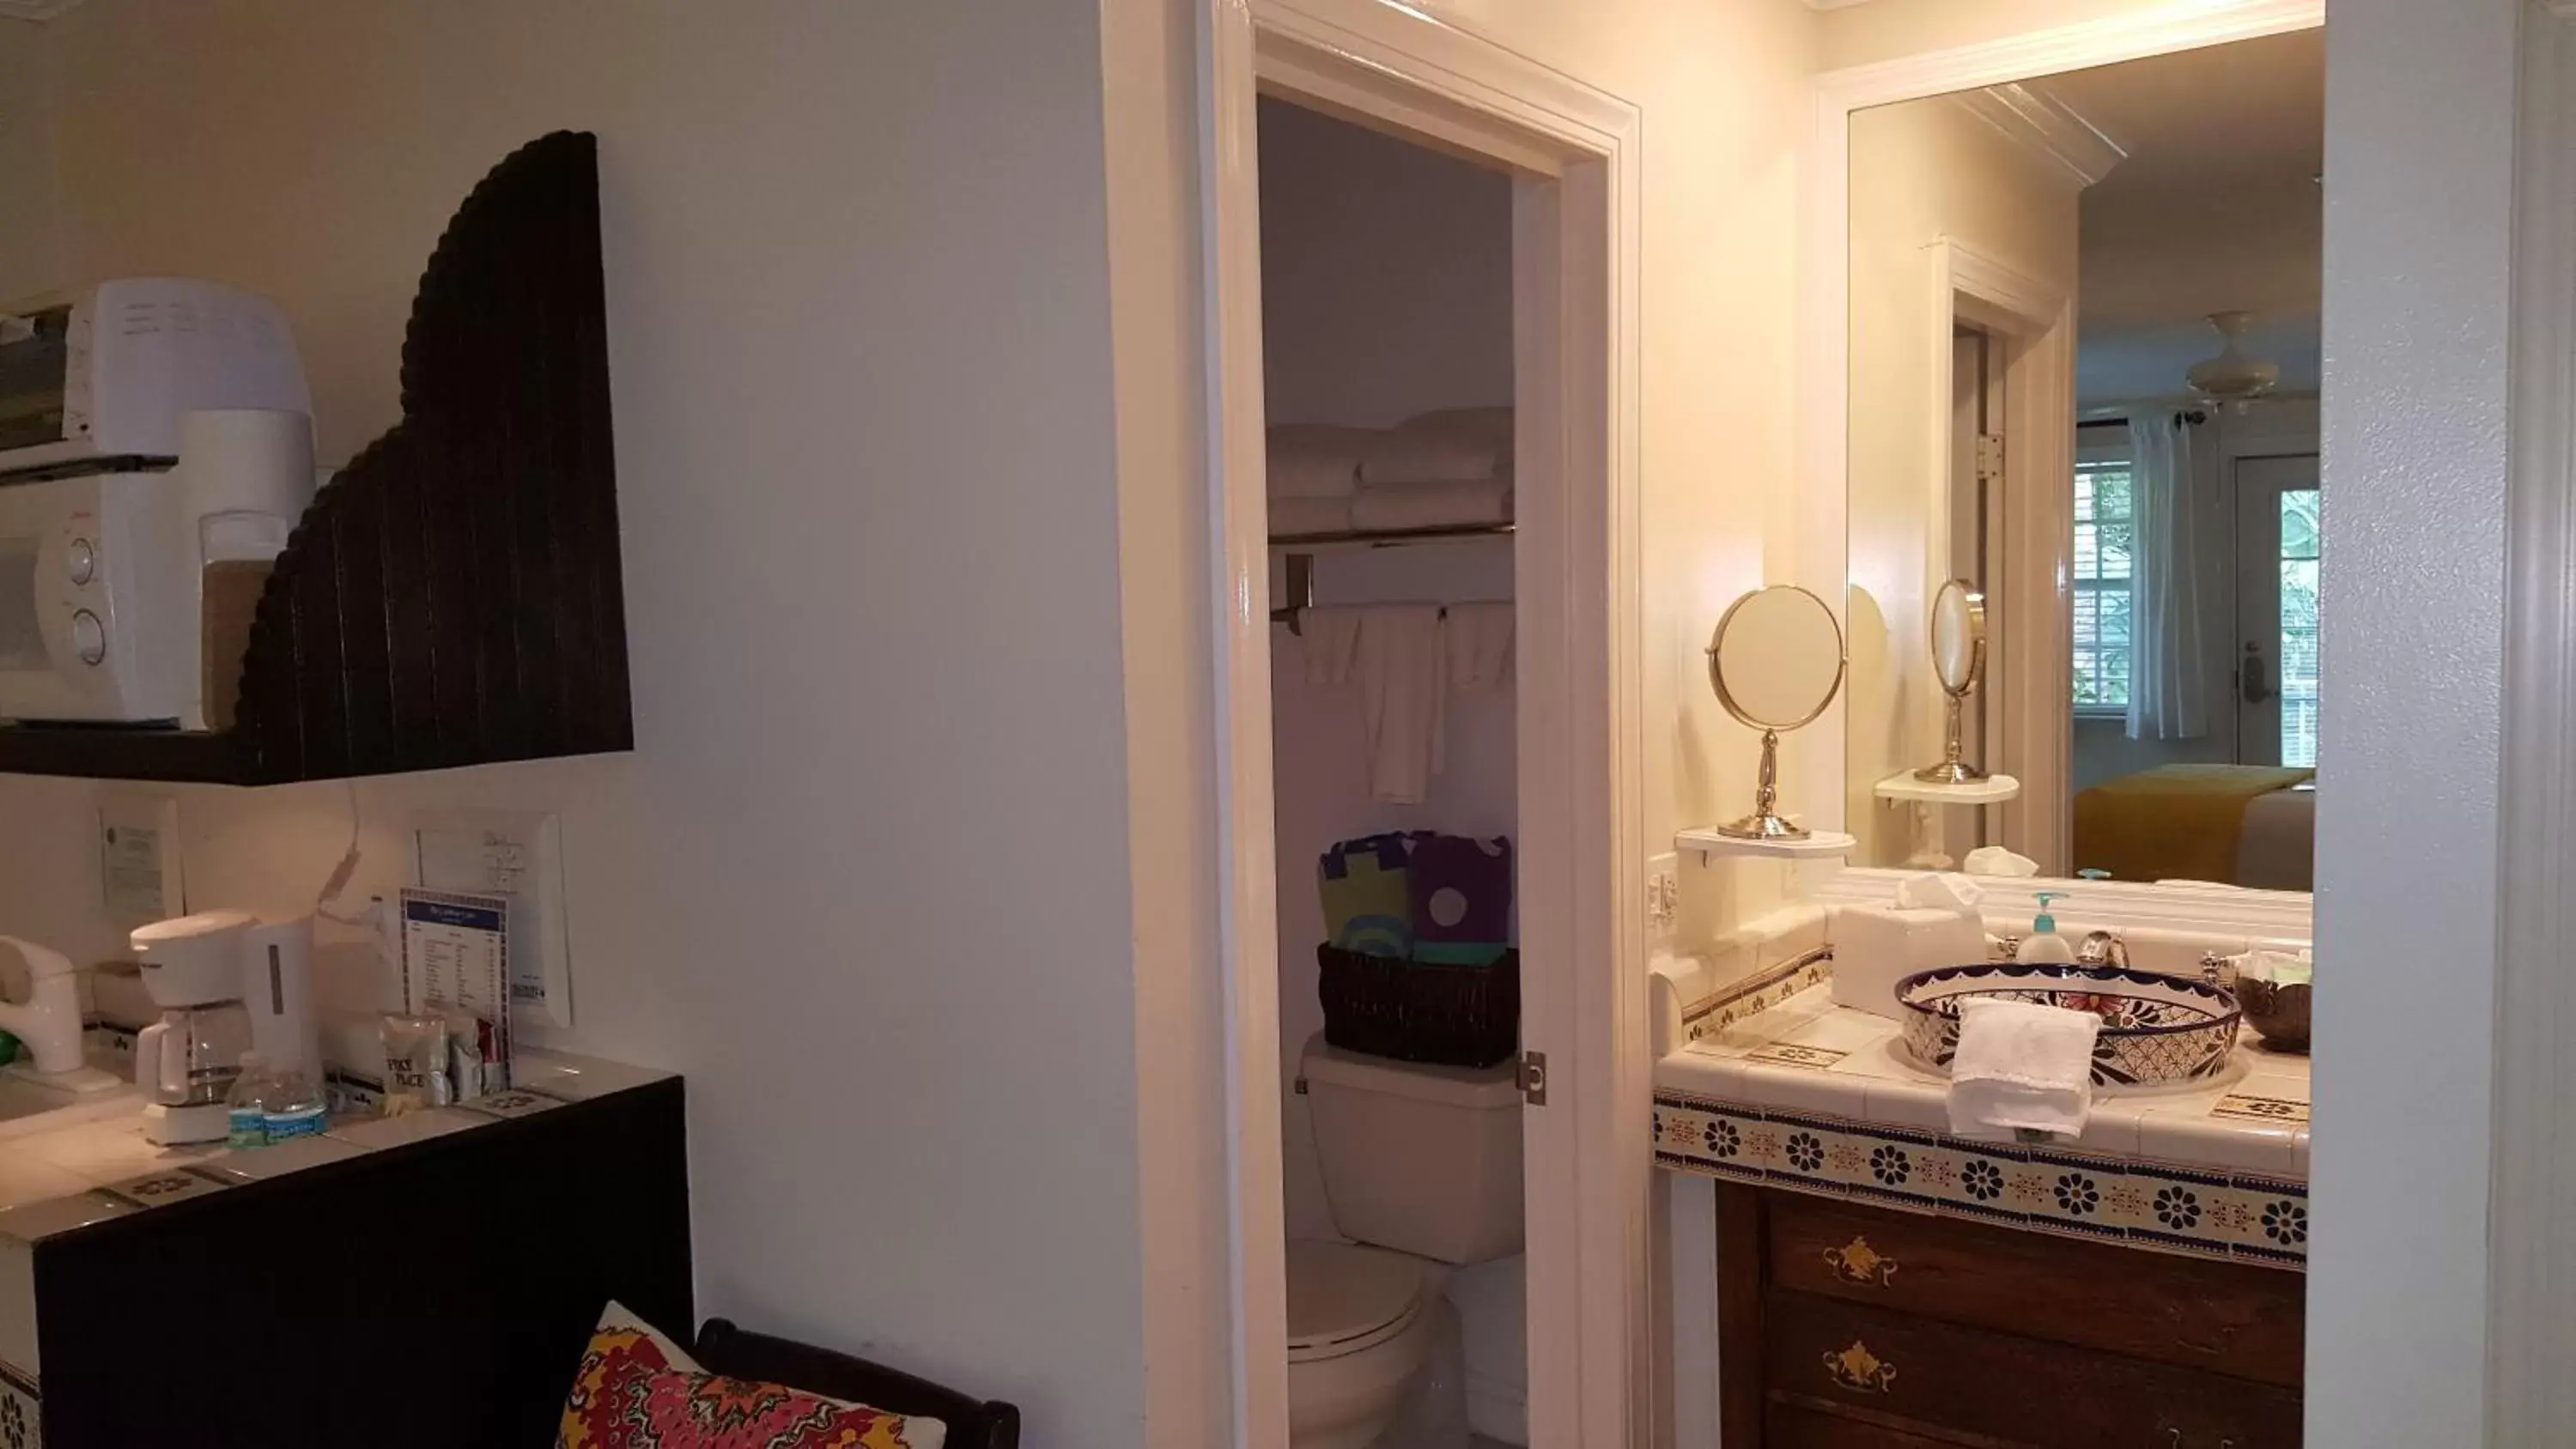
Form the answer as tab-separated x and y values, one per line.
2082	428
1776	662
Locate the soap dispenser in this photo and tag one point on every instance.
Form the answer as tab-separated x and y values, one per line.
2043	946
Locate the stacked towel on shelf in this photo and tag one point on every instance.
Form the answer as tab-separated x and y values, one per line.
1368	903
1445	469
1313	472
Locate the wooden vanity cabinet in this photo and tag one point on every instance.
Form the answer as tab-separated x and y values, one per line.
1850	1327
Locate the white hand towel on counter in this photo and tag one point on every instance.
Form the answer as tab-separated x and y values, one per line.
2022	1067
1479	637
1312	460
1294	516
1433	505
1404	692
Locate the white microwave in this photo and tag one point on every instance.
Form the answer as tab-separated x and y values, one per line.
107	374
127	592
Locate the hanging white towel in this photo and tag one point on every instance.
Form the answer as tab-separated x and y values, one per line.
1404	691
1331	640
1308	460
1479	637
2022	1067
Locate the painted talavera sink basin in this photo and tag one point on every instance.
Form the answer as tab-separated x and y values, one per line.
2157	1031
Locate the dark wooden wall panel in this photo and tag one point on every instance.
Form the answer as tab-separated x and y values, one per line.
454	596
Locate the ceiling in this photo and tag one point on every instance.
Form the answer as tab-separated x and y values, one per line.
2217	208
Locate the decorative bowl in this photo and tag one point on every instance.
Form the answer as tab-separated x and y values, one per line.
2156	1030
2279	1014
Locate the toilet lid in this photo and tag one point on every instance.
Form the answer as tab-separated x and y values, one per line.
1343	1298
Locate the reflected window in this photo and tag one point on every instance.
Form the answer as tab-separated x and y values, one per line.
2105	536
2299	627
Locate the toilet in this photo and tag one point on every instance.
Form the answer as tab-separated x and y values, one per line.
1422	1168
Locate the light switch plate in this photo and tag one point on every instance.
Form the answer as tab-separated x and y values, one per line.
518	854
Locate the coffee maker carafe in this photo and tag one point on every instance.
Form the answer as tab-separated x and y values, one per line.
227	983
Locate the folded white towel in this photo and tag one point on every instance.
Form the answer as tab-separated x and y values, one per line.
2022	1067
1290	517
1404	691
1480	644
1433	505
1410	456
1315	460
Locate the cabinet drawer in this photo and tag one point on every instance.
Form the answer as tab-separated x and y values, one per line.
1790	1426
2227	1318
1966	1381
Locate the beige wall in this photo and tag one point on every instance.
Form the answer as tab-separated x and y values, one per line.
1722	87
907	380
30	251
1920	171
870	469
1890	29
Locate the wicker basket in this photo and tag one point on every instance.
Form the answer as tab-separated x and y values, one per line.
1419	1011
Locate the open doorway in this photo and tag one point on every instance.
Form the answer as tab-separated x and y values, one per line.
1572	1088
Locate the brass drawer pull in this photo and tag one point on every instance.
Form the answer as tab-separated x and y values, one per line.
1859	1370
1858	1262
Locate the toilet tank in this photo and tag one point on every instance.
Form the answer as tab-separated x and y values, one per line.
1425	1160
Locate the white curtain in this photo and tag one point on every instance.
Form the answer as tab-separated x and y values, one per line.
2168	661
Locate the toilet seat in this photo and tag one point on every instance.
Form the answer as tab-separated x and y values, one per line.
1345	1299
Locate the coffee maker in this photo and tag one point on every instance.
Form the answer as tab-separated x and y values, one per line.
227	982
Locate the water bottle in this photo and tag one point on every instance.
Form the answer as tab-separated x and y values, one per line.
246	1105
292	1106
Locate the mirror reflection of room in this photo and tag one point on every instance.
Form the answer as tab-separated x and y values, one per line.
2085	316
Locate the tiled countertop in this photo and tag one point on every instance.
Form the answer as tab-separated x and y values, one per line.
1815	1097
55	1180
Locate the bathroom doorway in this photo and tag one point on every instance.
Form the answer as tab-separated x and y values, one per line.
1562	160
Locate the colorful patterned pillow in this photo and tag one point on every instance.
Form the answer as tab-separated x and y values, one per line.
639	1390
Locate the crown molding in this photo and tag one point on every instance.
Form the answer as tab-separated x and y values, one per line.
2036	120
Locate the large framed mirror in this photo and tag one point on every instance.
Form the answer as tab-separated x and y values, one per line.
2083	352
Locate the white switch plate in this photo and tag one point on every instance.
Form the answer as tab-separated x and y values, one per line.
517	854
139	875
1663	898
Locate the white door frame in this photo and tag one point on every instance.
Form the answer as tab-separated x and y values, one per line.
1575	228
1825	296
2033	652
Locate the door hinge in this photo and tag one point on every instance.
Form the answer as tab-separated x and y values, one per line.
1990	457
1531	1076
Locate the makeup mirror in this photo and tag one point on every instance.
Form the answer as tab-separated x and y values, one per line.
1776	661
1958	638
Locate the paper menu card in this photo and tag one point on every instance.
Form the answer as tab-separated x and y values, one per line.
456	957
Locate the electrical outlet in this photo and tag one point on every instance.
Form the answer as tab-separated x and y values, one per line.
1663	896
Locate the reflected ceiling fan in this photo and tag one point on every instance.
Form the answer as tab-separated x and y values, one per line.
2232	378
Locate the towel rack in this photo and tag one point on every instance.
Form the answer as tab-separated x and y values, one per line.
1301	559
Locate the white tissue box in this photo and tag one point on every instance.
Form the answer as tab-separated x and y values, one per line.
1877	946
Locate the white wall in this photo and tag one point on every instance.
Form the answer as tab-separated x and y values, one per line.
876	503
1920	171
1386	274
30	247
1386	281
2419	200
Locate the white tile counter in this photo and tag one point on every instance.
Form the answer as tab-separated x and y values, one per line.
1813	1097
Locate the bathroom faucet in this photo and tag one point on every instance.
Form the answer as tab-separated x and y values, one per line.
2102	948
50	1021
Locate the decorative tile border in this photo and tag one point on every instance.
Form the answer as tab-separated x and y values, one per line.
1782	1054
2261	1109
153	1189
22	1415
1743	1000
2081	1195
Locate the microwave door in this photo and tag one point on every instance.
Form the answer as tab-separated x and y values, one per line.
22	630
